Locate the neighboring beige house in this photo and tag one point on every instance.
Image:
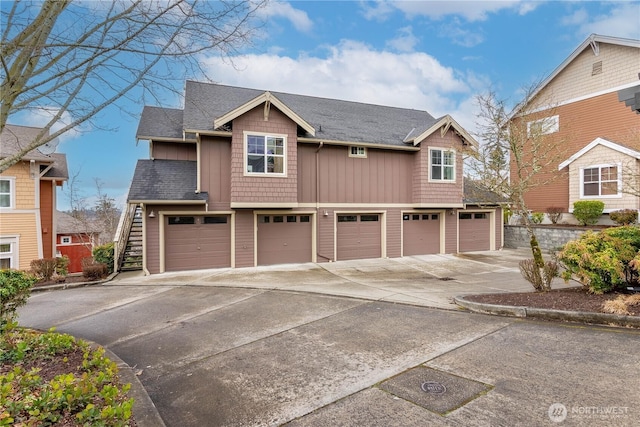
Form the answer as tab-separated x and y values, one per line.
28	200
602	170
579	105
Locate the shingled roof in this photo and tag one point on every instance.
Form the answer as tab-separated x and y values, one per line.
165	180
332	119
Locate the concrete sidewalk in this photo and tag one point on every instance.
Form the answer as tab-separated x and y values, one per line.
428	280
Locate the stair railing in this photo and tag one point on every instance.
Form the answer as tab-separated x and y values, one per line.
122	234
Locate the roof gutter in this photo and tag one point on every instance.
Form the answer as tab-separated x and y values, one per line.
306	140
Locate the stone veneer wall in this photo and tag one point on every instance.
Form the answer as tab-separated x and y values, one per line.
515	236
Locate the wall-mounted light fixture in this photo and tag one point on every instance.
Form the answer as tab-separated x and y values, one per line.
325	213
152	214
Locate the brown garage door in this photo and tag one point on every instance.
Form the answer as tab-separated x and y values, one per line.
196	242
420	234
359	236
475	231
284	239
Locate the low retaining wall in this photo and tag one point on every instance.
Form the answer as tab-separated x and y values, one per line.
549	237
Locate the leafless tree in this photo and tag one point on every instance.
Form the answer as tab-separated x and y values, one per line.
70	60
519	152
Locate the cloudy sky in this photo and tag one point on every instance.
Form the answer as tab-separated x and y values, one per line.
428	55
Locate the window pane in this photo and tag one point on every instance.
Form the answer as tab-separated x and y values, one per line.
5	248
347	218
275	164
465	216
304	218
590	175
255	144
367	218
5	201
292	218
5	186
591	189
178	220
215	220
5	263
448	158
480	216
609	173
434	216
448	173
255	164
436	157
416	217
436	172
278	219
609	188
406	217
264	219
425	216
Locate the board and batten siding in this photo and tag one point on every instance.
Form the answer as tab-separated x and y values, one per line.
381	177
245	255
215	157
173	150
47	203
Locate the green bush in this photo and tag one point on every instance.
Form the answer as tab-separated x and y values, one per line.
90	392
15	288
602	261
624	216
537	217
44	268
104	254
554	214
587	212
62	265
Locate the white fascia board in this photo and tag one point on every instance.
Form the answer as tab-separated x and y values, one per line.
600	141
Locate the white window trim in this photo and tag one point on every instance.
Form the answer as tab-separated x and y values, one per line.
454	166
245	156
63	238
14	241
612	196
12	192
361	152
550	125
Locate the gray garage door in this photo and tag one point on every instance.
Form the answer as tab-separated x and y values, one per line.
197	242
284	239
359	236
420	234
475	231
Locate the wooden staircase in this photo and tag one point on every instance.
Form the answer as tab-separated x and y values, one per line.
130	240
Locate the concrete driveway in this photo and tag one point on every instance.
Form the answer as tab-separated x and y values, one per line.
351	343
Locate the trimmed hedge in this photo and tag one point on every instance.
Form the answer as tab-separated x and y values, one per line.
587	212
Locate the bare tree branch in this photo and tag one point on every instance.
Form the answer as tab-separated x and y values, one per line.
74	59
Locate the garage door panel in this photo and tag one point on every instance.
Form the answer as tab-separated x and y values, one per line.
289	241
197	243
421	234
475	232
358	238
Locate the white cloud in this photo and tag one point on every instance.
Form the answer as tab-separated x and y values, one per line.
379	11
621	21
456	31
470	10
405	41
41	116
356	72
297	17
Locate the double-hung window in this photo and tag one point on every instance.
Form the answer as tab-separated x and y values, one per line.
265	154
601	181
7	192
442	165
8	253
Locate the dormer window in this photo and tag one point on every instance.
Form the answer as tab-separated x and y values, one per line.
442	165
265	154
358	152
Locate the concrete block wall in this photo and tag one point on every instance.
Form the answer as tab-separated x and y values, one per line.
549	238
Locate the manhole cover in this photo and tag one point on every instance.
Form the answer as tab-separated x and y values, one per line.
433	387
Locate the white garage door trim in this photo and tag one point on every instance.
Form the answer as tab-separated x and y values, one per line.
314	228
492	226
442	232
162	234
383	229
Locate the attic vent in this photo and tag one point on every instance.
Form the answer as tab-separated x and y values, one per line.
597	68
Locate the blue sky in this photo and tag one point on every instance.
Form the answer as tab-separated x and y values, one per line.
429	55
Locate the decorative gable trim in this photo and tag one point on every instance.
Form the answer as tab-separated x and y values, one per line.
268	99
600	141
444	125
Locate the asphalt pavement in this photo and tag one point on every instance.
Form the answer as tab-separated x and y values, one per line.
373	342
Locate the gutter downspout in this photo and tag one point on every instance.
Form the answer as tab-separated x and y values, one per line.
318	175
144	240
